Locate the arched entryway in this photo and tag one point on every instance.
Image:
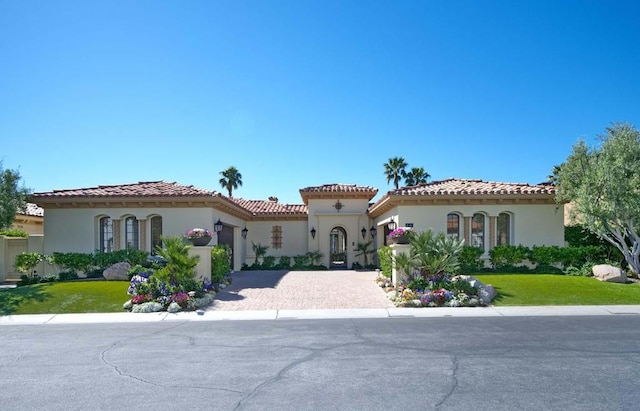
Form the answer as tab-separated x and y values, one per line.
338	248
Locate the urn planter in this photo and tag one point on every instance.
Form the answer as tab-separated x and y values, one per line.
200	241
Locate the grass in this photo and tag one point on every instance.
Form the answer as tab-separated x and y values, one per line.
513	289
550	289
65	297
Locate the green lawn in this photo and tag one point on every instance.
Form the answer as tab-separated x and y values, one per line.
66	297
548	289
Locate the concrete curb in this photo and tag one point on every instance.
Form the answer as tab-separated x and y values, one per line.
397	313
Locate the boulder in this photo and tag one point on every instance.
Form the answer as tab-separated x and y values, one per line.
475	283
118	271
609	273
486	293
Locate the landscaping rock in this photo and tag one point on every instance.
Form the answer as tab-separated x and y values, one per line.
118	271
474	282
486	293
609	273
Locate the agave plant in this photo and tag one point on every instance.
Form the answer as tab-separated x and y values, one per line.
435	254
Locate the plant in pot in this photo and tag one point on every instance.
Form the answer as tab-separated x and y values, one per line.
400	235
198	236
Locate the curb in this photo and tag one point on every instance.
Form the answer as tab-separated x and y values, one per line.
279	315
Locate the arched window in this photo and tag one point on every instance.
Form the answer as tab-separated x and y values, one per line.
477	230
106	234
453	225
504	229
156	233
131	233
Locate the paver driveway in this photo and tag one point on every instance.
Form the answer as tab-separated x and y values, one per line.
301	290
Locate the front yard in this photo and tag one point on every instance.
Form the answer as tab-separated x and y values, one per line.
513	289
66	297
550	289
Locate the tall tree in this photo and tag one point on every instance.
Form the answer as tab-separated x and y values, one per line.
416	176
603	183
231	179
394	169
13	196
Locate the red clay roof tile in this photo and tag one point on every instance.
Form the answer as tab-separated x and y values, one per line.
459	186
141	189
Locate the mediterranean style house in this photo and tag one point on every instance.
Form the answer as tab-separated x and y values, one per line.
332	218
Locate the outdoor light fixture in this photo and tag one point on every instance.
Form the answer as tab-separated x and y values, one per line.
313	232
373	231
217	227
364	232
244	233
391	224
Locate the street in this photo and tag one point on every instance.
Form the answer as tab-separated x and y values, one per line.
490	363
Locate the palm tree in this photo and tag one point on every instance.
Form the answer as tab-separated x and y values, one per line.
416	176
363	250
231	178
394	170
259	250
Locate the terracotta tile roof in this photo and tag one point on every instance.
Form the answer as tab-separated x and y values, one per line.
141	189
270	207
339	188
462	187
32	210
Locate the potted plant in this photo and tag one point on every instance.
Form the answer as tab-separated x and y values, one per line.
400	235
198	236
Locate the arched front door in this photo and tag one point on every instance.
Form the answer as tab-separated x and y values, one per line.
338	248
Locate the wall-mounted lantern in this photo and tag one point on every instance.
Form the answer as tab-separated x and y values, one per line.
313	232
373	231
391	224
217	227
364	232
244	233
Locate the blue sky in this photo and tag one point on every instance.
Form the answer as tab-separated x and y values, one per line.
299	93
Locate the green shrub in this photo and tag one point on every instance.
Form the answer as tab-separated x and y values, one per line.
507	255
220	266
386	260
300	261
285	262
469	258
268	262
67	276
26	280
77	262
585	270
49	278
356	266
26	262
131	256
14	232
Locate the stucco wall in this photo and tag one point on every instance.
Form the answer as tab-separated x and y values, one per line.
532	224
352	217
77	229
294	238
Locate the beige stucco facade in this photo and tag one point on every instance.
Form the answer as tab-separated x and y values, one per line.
331	214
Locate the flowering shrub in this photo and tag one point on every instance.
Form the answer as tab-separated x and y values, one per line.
440	291
198	233
172	287
399	232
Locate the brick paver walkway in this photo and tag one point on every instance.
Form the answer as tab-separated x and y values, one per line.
301	290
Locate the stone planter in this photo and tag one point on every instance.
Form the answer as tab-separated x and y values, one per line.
200	241
403	239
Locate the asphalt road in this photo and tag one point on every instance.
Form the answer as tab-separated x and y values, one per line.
521	363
